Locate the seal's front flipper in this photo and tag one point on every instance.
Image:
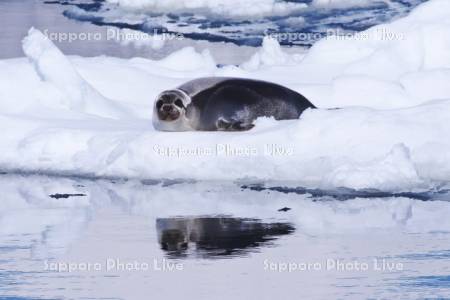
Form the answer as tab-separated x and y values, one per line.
240	126
223	125
232	125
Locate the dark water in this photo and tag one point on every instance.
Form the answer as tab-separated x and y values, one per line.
343	194
300	28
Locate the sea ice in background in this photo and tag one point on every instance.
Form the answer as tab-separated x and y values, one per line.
232	8
139	39
299	23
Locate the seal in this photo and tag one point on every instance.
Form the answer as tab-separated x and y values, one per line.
225	104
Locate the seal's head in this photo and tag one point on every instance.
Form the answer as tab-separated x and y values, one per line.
170	105
169	111
174	240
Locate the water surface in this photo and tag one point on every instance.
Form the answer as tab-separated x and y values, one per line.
127	239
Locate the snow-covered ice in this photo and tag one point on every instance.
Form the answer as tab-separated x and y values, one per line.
92	116
227	7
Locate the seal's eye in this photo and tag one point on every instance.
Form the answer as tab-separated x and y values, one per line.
179	103
159	103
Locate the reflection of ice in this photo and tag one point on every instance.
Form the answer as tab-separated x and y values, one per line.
55	239
216	236
28	213
32	199
50	225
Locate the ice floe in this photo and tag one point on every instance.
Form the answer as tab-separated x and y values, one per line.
92	116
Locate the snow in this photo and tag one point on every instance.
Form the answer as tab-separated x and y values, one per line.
187	59
92	116
137	38
270	54
394	168
342	3
54	68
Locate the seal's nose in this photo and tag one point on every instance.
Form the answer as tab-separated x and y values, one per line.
167	108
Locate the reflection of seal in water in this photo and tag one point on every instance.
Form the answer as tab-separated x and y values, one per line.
216	236
221	103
